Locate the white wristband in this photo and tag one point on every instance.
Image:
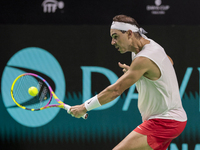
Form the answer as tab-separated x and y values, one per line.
92	103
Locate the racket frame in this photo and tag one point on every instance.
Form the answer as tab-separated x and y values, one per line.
52	94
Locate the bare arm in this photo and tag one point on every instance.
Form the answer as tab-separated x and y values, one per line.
171	60
138	67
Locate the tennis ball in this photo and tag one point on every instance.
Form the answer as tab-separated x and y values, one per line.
33	91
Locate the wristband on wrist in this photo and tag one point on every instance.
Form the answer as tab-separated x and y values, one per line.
92	103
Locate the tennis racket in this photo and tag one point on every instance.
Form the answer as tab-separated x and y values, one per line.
43	98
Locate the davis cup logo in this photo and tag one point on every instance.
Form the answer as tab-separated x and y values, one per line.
158	8
34	60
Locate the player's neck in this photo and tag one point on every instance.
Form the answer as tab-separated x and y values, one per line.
141	43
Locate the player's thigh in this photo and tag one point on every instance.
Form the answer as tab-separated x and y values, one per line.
133	141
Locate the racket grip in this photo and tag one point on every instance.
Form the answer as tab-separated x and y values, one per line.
67	108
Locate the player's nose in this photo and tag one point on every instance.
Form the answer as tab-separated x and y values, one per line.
113	42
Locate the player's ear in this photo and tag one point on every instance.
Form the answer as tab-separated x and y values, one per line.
130	33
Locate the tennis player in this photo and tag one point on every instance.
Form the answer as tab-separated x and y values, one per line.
159	100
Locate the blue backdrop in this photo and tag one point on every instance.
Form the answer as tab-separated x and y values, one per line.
80	62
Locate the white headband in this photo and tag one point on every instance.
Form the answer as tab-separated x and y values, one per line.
126	26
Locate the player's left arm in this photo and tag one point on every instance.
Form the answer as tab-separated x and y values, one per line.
170	60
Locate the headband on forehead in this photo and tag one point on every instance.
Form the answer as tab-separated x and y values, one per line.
124	26
127	26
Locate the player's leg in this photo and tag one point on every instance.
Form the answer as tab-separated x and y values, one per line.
133	141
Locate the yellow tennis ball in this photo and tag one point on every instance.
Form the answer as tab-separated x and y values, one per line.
33	91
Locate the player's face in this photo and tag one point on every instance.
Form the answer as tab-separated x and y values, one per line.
120	40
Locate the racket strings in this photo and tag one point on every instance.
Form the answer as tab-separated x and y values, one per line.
22	97
19	90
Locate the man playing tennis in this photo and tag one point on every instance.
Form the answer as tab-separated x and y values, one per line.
159	100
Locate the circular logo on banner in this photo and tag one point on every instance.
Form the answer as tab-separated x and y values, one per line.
38	61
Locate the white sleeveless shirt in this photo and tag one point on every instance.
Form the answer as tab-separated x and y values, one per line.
159	98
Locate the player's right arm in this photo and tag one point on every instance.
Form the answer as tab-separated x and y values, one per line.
138	68
126	67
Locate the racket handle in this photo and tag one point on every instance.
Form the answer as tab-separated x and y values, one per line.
67	107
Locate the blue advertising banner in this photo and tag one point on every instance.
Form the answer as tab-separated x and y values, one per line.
79	62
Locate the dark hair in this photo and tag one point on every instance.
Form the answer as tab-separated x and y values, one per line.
127	19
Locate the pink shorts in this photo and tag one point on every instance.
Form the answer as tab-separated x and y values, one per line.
160	132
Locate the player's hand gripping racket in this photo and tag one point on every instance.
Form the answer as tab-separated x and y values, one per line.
31	92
